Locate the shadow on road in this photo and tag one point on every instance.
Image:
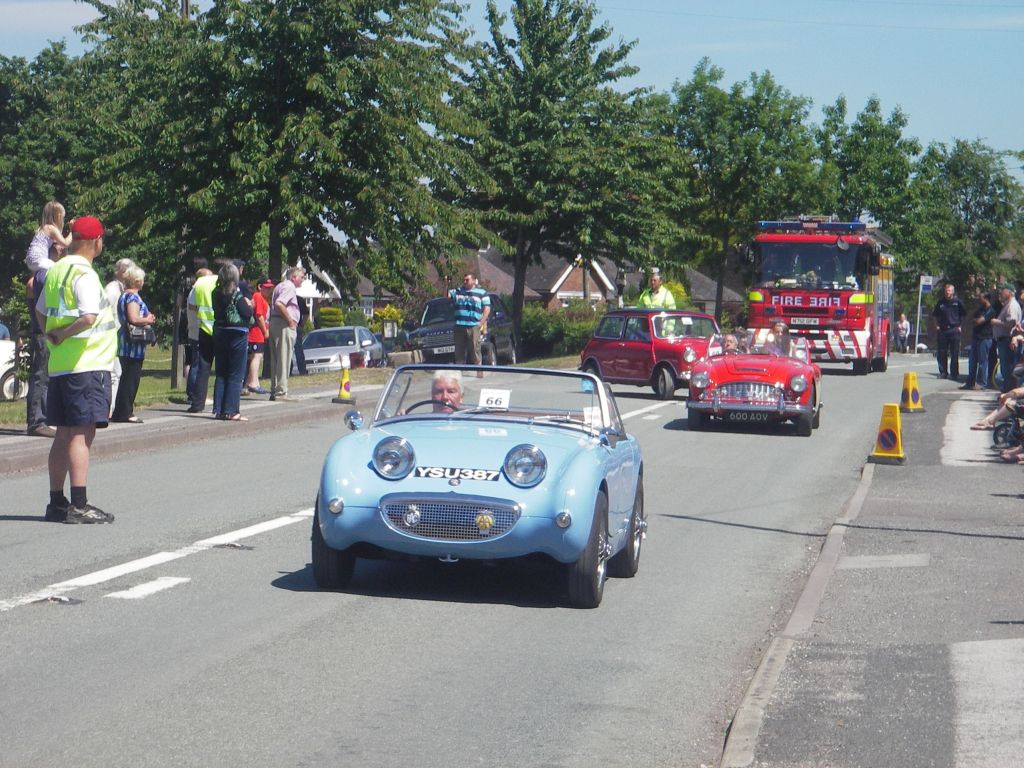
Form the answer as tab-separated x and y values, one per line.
520	584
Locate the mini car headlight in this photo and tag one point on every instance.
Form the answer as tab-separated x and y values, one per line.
689	355
525	465
393	458
798	383
336	506
700	379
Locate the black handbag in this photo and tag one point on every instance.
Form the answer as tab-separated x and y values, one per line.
140	334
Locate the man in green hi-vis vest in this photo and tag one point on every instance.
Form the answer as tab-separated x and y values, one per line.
81	334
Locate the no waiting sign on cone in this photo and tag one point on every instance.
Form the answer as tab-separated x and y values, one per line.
889	443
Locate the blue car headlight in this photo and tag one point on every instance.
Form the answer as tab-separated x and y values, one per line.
525	465
393	458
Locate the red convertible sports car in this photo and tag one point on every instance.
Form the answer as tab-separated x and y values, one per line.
769	383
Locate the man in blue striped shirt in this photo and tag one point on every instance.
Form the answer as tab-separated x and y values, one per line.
472	306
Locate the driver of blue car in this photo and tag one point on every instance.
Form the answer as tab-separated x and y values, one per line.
446	391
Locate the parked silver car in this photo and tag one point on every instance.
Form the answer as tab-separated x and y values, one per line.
325	347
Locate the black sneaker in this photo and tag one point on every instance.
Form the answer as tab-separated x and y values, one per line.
56	513
87	515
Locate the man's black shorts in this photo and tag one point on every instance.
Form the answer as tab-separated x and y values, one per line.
1016	407
257	347
78	399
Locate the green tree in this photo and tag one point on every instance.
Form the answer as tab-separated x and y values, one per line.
966	208
331	119
867	165
749	153
37	143
573	161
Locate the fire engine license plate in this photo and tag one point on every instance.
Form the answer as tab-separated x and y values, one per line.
746	416
444	350
804	321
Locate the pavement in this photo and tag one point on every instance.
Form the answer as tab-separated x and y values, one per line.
906	647
168	425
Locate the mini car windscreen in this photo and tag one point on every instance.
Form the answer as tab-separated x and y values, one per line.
682	326
562	398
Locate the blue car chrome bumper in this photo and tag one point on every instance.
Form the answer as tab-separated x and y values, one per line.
454	525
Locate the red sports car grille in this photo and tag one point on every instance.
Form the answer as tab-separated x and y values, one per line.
750	392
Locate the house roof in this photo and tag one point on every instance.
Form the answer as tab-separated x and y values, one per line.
704	288
546	277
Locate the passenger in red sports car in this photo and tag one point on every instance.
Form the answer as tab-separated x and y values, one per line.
777	341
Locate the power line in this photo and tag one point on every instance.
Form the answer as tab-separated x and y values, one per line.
819	23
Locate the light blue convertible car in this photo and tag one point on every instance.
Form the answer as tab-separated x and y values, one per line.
467	463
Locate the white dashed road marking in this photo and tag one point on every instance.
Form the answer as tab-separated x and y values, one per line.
149	588
647	409
159	558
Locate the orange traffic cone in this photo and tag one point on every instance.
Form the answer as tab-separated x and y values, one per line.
910	400
889	443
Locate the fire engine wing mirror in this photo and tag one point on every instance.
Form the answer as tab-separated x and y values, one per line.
868	260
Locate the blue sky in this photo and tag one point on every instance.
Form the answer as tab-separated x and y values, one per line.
954	67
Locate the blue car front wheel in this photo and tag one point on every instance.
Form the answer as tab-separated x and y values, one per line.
587	575
625	564
331	569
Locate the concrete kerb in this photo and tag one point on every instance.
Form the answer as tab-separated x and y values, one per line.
741	739
167	425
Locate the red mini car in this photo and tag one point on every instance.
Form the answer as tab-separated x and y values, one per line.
770	383
648	347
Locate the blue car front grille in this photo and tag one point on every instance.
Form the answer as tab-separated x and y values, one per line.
449	517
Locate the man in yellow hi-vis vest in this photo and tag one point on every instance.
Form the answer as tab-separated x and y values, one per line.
201	299
81	334
656	295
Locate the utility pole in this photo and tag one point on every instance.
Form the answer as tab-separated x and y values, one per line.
177	352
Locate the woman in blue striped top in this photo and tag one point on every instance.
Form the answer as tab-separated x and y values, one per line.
130	309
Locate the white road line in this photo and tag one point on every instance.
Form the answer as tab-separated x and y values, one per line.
962	446
149	588
159	558
647	409
989	678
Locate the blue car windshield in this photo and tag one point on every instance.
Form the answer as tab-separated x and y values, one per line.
559	397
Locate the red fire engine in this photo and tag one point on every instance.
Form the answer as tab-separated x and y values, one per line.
831	282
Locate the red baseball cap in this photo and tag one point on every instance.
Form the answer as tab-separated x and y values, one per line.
87	228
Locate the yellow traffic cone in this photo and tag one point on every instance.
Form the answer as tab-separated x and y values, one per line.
889	443
910	400
345	396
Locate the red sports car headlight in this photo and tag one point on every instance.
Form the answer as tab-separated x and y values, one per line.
798	383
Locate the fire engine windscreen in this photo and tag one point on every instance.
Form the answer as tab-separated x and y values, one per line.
809	265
